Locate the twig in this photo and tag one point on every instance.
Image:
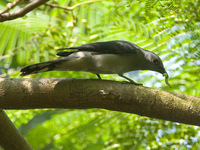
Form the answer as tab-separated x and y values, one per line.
22	12
73	7
10	6
57	6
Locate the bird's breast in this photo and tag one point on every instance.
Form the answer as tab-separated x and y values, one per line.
114	63
99	63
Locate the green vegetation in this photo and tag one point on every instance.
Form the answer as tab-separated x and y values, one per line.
171	29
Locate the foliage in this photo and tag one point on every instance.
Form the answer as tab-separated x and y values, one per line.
170	29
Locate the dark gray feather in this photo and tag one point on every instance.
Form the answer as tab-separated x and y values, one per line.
110	47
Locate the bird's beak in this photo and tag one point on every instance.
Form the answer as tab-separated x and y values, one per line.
166	79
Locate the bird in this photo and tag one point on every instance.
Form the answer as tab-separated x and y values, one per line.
109	57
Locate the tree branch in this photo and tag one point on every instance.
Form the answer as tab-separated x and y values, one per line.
73	7
10	6
85	94
22	11
10	138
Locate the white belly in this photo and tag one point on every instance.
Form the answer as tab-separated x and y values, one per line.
96	63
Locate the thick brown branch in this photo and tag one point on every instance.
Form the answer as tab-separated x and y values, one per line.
10	138
22	11
84	94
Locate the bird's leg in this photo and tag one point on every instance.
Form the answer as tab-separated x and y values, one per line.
130	80
98	76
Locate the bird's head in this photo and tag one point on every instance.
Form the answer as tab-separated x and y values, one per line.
154	63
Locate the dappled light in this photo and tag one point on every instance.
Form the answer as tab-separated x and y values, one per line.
32	32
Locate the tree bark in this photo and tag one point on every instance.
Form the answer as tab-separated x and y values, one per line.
10	138
111	95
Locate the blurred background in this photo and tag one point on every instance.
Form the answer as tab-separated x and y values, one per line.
171	29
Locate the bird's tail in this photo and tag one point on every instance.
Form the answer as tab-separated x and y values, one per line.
40	67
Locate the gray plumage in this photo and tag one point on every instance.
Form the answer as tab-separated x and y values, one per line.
112	57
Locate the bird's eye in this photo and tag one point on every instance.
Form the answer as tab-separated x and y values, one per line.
155	61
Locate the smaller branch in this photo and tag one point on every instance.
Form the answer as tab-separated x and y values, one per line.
84	3
57	6
73	7
10	138
10	6
22	12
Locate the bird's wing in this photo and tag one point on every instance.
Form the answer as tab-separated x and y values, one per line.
110	47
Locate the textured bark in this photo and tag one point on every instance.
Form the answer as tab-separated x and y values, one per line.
10	138
111	95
